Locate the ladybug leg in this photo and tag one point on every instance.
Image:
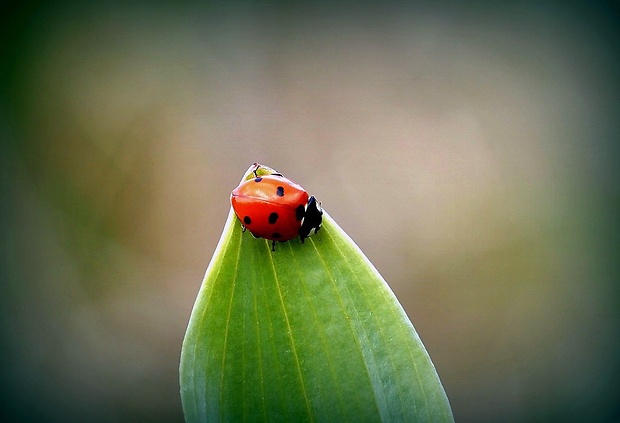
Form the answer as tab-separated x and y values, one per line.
257	166
273	245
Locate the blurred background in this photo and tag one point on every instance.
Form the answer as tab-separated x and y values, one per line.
469	149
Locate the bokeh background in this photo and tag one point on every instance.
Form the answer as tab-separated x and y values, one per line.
470	149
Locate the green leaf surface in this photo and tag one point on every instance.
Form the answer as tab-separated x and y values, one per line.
310	332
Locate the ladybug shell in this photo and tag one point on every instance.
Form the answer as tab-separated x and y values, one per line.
270	207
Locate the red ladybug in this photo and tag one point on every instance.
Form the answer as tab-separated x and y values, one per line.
275	208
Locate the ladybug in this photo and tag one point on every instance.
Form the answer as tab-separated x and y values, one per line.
275	208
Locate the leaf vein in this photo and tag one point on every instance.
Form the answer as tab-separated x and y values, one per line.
290	333
351	328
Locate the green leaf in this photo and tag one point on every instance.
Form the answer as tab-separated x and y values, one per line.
310	332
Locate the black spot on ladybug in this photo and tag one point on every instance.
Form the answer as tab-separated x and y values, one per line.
258	179
299	212
247	220
280	192
276	235
273	217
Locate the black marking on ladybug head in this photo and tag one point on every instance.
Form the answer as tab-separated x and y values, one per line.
280	191
247	220
276	235
273	217
312	219
299	212
258	179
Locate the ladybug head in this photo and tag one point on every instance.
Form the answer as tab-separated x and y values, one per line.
313	217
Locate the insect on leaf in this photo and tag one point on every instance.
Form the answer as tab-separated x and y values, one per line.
309	332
